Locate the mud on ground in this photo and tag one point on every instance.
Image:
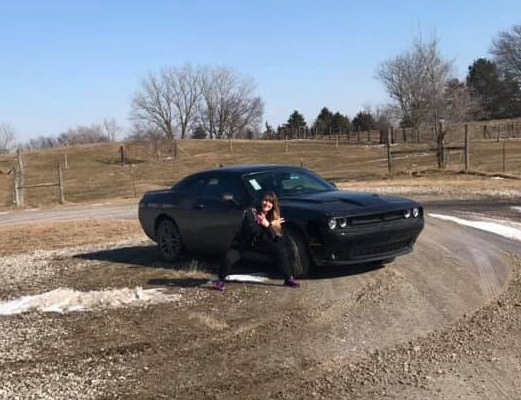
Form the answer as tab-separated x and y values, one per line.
442	322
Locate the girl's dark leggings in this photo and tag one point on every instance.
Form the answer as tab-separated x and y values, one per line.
275	250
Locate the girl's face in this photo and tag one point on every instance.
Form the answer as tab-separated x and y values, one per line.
266	205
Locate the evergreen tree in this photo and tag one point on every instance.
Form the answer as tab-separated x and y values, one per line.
364	121
199	133
323	123
339	123
498	95
296	125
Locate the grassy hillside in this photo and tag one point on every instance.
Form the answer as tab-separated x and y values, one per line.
95	172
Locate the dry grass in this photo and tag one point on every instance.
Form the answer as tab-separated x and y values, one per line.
94	172
55	235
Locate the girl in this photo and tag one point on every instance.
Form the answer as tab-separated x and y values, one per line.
260	232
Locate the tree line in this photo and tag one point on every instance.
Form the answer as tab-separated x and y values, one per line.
219	102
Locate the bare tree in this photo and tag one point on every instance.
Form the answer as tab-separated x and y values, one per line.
229	107
415	81
459	105
111	128
154	104
218	100
7	138
144	131
506	48
184	86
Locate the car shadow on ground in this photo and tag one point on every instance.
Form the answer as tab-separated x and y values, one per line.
148	257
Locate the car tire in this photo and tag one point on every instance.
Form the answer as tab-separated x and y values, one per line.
169	240
298	253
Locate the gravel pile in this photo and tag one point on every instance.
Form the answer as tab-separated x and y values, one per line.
420	363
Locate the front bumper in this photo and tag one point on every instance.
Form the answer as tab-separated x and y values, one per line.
359	244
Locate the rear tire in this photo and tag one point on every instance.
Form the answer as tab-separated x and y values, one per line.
298	253
169	240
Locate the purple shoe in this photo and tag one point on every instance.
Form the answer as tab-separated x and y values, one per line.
219	285
291	282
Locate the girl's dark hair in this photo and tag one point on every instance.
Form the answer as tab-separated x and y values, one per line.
274	213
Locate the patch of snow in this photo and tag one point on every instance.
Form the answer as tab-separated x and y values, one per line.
63	300
502	229
516	208
253	278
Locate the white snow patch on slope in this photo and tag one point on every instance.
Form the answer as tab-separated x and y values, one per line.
502	229
63	300
247	278
253	278
516	208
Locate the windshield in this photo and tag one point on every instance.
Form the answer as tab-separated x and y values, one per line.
286	183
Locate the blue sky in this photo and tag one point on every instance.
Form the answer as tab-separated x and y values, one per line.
69	63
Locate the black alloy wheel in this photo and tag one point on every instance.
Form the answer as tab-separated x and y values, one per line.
169	240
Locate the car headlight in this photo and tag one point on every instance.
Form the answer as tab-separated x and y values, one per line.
407	214
415	212
332	223
342	222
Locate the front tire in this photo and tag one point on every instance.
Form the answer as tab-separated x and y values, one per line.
169	240
298	253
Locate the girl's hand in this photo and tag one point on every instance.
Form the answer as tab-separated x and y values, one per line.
262	220
277	222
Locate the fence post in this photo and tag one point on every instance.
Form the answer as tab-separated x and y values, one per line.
504	158
21	178
122	156
61	197
498	132
389	155
404	132
484	131
336	140
16	192
467	150
65	163
230	144
358	134
286	144
132	173
301	161
369	136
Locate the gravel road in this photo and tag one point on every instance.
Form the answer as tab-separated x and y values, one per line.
440	323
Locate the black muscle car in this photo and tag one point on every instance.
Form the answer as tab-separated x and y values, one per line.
202	213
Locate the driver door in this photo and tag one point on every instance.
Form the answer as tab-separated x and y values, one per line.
217	220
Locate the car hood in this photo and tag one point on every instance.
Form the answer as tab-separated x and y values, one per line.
339	202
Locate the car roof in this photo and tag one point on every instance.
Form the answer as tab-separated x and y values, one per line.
250	168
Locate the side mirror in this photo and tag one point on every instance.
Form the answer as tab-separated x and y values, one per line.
332	183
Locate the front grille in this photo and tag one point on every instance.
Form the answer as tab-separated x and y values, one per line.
366	249
378	218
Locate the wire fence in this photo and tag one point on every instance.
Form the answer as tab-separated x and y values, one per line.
114	170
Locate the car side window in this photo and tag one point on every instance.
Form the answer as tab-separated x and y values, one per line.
192	188
215	187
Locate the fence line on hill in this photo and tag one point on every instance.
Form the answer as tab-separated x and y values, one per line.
137	167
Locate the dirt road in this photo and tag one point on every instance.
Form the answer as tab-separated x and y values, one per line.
442	322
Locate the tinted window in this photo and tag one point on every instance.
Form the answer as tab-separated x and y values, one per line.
286	183
215	187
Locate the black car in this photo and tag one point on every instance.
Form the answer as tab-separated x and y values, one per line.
324	226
